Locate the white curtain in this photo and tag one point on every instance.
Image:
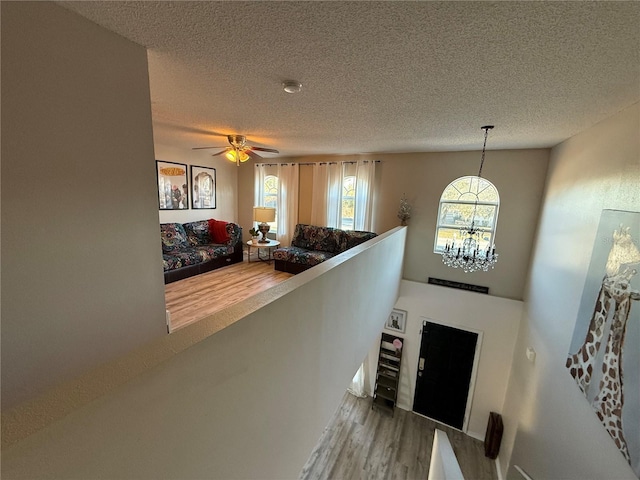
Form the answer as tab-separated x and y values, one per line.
258	186
328	190
357	384
365	178
288	186
326	207
335	176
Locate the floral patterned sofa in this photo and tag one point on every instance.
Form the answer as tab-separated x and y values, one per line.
312	245
197	247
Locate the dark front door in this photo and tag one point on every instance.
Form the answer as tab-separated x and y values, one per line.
444	373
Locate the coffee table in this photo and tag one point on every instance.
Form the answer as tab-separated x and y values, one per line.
269	245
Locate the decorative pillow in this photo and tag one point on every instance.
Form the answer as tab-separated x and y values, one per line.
173	237
197	232
218	231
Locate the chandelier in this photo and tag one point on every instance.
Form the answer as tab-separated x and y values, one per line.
468	255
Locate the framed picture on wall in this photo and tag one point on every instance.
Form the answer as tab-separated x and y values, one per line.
397	320
606	336
173	187
203	187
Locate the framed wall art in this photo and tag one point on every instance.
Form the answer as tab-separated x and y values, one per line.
173	187
397	320
203	187
603	358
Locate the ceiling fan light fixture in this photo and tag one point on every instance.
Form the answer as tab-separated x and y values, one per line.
239	151
237	156
291	86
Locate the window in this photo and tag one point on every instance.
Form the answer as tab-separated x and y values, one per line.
347	189
457	205
348	203
270	197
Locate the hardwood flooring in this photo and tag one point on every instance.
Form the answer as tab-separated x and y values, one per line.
196	297
361	443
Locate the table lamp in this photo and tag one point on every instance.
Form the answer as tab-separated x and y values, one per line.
264	215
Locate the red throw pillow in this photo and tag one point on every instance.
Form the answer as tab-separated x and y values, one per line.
218	231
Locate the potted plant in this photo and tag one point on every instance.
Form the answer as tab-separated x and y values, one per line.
255	234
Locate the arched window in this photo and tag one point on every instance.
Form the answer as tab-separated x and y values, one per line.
348	202
458	202
270	197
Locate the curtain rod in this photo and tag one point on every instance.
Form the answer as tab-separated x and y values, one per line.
313	163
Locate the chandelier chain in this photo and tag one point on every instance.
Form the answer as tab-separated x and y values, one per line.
484	146
486	129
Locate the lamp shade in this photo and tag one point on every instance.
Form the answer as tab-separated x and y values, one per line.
264	214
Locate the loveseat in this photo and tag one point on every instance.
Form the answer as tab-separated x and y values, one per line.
312	245
197	247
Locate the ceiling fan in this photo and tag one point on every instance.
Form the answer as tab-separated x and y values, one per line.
239	151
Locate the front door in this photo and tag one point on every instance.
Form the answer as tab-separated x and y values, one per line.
445	370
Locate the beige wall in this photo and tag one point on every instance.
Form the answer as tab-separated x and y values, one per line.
245	197
305	192
226	184
81	263
518	175
550	429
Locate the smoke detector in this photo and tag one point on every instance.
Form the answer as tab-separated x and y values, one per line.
291	86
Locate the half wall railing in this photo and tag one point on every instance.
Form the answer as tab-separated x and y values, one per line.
249	401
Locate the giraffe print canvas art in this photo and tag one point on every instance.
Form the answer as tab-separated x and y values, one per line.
604	356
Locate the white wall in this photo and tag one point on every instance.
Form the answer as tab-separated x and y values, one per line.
81	262
498	320
226	185
550	429
250	401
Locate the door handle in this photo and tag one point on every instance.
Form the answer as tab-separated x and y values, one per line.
421	364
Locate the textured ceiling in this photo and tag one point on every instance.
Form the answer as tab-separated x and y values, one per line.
381	76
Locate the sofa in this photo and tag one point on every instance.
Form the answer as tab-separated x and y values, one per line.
312	245
197	247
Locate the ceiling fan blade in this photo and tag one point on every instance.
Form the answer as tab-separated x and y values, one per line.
260	149
253	154
204	148
220	152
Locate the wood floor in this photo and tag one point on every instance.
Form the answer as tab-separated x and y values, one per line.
361	443
194	298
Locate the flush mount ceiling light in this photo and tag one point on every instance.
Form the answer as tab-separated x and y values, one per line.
472	254
291	86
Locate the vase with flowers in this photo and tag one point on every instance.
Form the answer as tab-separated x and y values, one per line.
404	212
